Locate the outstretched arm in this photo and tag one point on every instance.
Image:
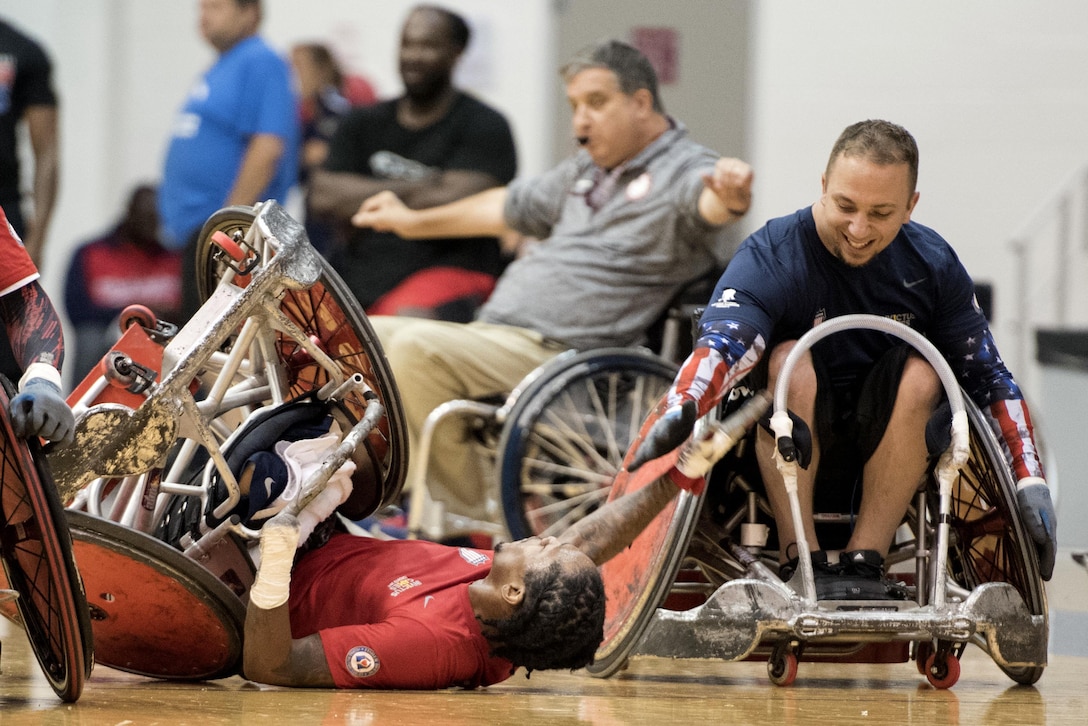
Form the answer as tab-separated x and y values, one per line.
480	215
611	528
727	191
337	195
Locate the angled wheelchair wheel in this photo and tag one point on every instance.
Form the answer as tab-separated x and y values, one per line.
638	579
566	435
154	611
36	548
329	315
990	542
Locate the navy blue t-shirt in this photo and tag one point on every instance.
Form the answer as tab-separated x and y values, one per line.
783	281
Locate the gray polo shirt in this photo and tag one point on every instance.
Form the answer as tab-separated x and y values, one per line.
601	278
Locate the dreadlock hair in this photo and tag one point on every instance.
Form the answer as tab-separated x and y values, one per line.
559	624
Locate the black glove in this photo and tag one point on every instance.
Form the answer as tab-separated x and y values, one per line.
671	430
1037	510
40	410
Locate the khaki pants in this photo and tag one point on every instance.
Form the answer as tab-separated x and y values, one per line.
435	361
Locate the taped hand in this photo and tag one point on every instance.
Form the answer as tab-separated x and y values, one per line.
40	410
1037	511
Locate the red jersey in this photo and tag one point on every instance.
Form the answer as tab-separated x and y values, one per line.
18	269
395	613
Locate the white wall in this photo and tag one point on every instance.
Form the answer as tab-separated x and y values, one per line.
995	91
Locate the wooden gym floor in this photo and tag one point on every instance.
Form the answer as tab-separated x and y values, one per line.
650	691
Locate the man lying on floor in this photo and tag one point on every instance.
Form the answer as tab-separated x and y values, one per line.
358	612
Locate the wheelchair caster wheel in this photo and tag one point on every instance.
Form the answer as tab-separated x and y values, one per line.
782	666
138	315
923	651
944	672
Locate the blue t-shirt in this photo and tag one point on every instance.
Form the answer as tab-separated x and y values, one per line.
783	281
247	92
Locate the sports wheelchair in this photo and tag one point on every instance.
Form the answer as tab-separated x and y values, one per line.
971	567
151	483
553	446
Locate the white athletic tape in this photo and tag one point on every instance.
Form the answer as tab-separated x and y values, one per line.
1029	481
279	540
40	370
335	493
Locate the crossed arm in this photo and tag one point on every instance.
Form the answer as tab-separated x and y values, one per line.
337	195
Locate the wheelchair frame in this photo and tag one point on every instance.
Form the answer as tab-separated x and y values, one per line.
276	325
252	347
977	578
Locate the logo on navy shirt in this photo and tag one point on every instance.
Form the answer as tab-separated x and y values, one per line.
362	662
727	299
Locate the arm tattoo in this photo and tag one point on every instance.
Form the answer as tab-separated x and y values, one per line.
607	531
33	328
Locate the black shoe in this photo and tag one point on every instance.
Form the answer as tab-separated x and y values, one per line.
821	568
861	577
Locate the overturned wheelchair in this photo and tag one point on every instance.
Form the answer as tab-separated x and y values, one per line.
161	504
970	568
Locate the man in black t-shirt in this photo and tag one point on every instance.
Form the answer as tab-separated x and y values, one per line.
432	145
26	95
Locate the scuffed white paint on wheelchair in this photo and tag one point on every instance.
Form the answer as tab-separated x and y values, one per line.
112	440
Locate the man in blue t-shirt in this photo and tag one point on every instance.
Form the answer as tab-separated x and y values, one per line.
235	140
865	397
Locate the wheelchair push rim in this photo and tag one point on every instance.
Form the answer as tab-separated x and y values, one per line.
36	549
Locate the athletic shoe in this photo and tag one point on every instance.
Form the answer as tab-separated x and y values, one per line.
822	570
861	577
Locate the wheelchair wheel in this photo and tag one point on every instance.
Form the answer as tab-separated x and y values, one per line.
154	611
566	435
38	563
989	542
329	314
638	579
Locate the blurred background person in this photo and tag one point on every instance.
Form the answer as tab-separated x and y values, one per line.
324	97
126	265
236	138
432	145
27	96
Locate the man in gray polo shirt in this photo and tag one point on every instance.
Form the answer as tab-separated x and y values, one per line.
624	225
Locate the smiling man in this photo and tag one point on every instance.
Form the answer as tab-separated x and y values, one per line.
624	225
865	396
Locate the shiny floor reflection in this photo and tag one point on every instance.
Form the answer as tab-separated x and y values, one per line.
650	691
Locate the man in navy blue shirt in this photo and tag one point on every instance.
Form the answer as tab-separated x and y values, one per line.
865	396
